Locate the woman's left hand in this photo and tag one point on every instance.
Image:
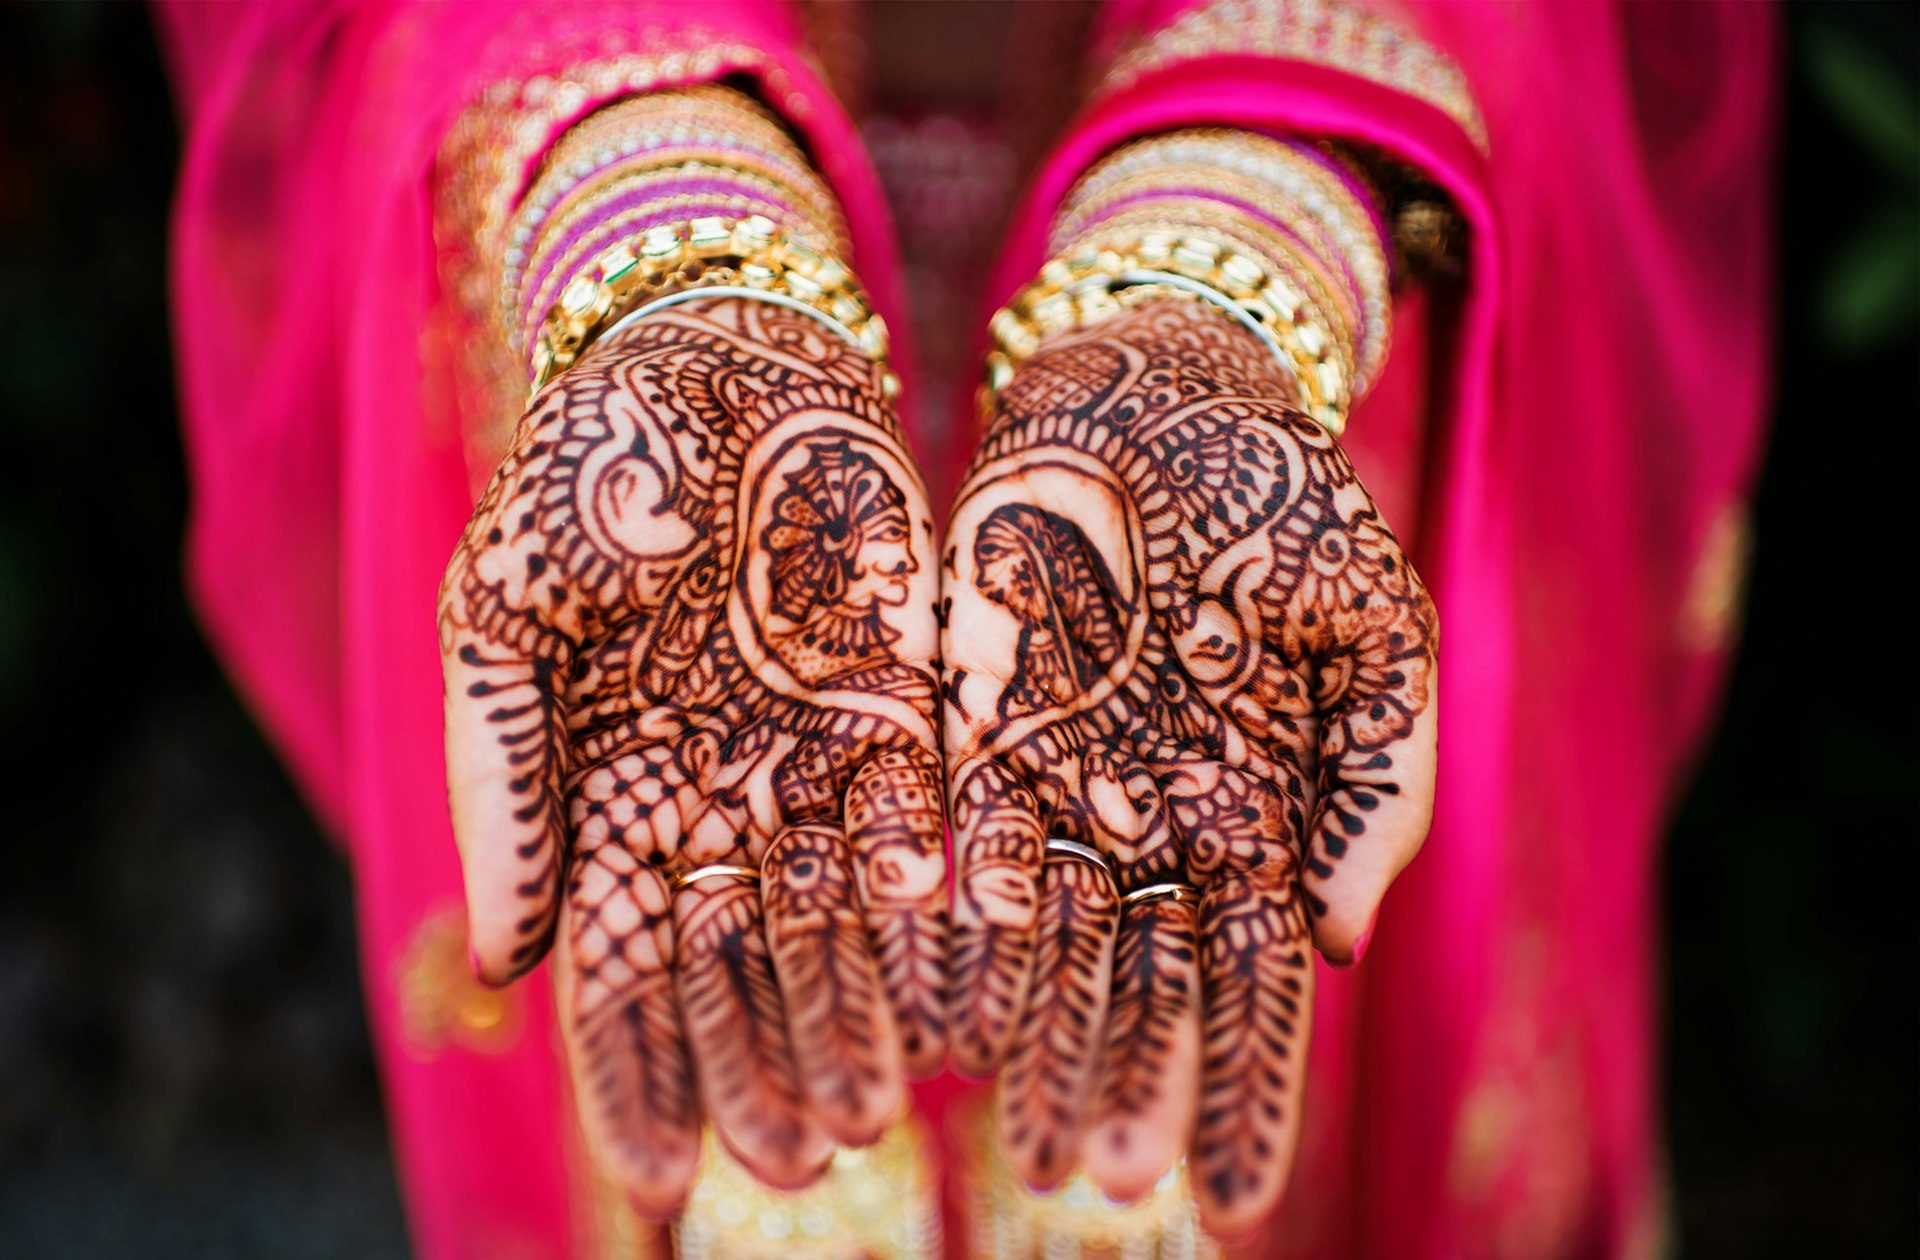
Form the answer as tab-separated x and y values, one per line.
1180	637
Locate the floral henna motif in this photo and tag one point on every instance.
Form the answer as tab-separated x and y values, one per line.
1177	631
694	613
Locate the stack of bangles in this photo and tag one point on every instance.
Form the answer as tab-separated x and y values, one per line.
666	198
1287	238
1167	891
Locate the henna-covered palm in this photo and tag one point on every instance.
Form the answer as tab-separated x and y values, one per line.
1177	631
692	623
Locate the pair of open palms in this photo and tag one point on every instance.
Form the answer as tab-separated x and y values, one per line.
702	625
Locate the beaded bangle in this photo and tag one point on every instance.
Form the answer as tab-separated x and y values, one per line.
753	254
1285	237
1084	289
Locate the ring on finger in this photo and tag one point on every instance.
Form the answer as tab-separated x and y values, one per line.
712	869
1162	892
1085	853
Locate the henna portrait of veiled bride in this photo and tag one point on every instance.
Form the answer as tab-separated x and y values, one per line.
1177	636
689	645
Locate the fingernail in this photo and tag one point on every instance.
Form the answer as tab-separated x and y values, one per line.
473	961
1360	947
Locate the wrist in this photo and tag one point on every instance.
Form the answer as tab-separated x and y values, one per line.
658	194
1285	237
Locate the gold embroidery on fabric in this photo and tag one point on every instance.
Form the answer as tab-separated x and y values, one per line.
618	1231
1333	33
879	1203
1008	1221
1717	587
441	1004
1520	1168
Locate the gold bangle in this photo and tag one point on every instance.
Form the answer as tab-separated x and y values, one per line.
1079	291
620	227
753	252
1304	208
712	869
1319	296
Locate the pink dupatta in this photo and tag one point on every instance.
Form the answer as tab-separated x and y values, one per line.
1485	1085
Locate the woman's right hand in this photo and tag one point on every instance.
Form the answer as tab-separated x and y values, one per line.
691	626
1177	633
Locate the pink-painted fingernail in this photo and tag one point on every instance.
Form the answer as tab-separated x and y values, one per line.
1360	947
473	961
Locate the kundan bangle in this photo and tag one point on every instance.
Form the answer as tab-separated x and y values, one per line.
1085	289
1286	237
753	255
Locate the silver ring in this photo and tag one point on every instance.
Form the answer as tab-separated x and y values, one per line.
1156	892
1086	853
712	869
1213	297
698	292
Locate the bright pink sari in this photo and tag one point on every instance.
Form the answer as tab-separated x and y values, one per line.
1484	1084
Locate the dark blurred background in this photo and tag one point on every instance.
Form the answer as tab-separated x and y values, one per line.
185	1061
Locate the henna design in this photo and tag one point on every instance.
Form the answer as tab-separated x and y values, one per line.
1178	630
844	1047
999	848
897	832
693	613
1259	983
1152	1052
731	1003
1055	1067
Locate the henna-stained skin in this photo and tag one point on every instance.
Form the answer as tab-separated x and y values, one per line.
1176	630
693	617
1055	1066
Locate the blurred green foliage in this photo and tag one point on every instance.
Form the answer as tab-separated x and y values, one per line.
1869	297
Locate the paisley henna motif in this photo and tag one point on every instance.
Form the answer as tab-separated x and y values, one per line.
1176	630
693	613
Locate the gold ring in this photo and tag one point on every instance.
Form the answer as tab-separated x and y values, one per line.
712	869
1155	892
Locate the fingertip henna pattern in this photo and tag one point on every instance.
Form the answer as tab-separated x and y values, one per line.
1055	1068
1258	972
843	1038
998	852
1176	630
693	614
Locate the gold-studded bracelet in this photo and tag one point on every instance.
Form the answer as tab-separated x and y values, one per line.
750	256
1083	289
